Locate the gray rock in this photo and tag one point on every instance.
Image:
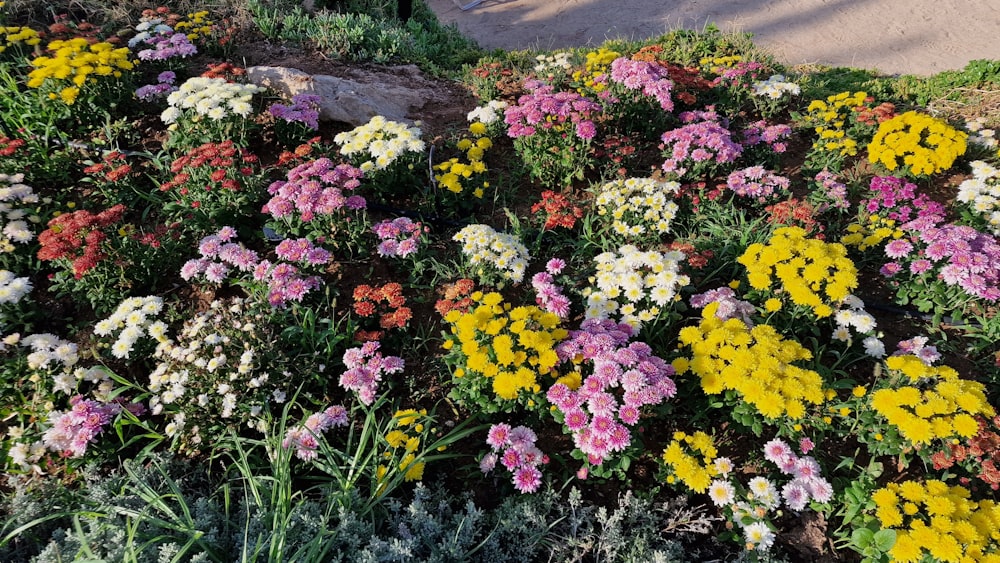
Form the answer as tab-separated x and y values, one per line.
355	100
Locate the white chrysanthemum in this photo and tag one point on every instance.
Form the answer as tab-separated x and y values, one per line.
721	492
504	252
759	535
874	347
170	115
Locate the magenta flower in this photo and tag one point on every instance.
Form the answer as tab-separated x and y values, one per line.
498	436
365	368
527	479
304	438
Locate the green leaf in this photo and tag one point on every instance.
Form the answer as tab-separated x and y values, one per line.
884	539
863	537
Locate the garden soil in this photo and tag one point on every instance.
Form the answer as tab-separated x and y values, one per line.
921	37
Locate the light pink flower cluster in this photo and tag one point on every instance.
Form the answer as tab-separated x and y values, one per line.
730	307
625	377
833	189
74	430
399	237
774	136
549	294
365	368
315	188
703	142
515	449
544	109
305	438
651	78
757	182
808	482
220	255
917	346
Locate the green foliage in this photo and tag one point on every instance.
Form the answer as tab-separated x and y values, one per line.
951	84
366	37
822	82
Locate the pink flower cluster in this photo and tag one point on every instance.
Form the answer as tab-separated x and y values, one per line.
515	449
833	189
399	237
756	182
220	255
962	256
743	72
304	109
702	140
365	368
918	347
594	413
808	482
774	136
730	307
315	188
72	431
304	438
897	199
545	109
649	77
549	294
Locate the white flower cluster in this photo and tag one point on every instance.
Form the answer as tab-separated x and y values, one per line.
149	28
852	314
49	349
489	114
214	98
775	87
23	455
134	318
14	220
982	193
980	134
58	357
208	371
381	140
637	206
485	246
633	286
555	61
12	288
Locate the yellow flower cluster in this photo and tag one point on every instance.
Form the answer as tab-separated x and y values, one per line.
936	520
871	235
690	460
195	25
453	172
925	144
946	408
811	272
509	346
404	441
75	62
595	64
830	118
755	362
638	206
13	36
717	65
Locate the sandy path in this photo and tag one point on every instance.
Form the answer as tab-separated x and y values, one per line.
893	36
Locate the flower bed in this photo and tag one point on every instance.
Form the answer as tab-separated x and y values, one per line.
667	278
